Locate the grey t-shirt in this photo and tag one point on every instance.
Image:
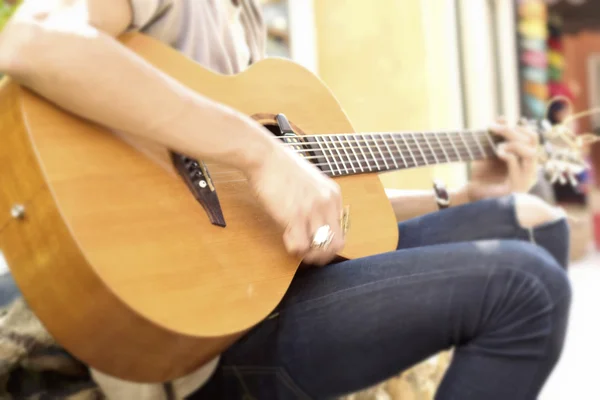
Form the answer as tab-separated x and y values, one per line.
224	36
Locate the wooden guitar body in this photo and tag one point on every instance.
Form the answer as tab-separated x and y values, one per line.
118	259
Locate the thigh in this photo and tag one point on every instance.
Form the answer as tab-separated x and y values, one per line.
353	324
484	220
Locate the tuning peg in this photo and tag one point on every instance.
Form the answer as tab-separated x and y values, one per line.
561	179
554	176
572	180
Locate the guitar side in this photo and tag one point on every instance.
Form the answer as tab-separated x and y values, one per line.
59	284
117	258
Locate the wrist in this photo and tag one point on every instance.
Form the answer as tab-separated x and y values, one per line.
253	154
460	196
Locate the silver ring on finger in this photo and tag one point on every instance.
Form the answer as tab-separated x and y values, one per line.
322	238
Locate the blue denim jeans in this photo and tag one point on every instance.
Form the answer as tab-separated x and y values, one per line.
469	278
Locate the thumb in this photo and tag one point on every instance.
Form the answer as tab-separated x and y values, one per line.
513	166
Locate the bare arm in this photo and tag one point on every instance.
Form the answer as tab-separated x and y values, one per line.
69	55
409	204
66	51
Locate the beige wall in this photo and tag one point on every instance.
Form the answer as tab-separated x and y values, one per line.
378	61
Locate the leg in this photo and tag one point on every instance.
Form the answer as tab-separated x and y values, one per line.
521	216
502	304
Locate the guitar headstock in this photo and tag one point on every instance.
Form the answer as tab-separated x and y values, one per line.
561	152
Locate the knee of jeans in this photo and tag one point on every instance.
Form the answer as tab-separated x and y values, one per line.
558	292
532	263
536	298
532	211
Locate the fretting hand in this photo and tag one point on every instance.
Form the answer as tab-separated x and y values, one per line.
514	171
303	201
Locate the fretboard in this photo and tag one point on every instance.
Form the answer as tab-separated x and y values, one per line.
340	154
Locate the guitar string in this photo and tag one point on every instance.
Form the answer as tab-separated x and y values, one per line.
407	133
456	152
376	142
400	139
433	151
426	148
422	142
330	171
430	157
367	165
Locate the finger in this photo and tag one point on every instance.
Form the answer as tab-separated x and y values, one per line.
296	238
505	132
529	135
322	256
520	149
520	134
513	166
528	162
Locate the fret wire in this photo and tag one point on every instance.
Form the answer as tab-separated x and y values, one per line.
460	135
409	149
347	155
484	149
356	157
387	167
417	156
372	154
481	132
459	152
338	152
454	147
427	149
318	164
327	167
492	144
331	153
323	152
389	151
443	149
483	153
389	159
478	147
431	148
341	140
417	141
363	153
419	147
469	146
399	151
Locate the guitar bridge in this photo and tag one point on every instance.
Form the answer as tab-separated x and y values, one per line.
195	175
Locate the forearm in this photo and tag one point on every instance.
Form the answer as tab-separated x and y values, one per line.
409	204
91	74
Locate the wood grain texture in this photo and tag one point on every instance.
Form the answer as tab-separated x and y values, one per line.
116	257
59	284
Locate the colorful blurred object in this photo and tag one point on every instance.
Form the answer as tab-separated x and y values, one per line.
533	56
556	59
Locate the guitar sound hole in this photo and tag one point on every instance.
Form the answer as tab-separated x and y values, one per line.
273	128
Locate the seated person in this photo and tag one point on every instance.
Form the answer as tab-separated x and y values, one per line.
485	276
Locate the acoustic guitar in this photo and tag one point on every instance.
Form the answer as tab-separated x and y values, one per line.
144	263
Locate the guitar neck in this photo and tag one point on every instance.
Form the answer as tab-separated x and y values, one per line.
350	154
